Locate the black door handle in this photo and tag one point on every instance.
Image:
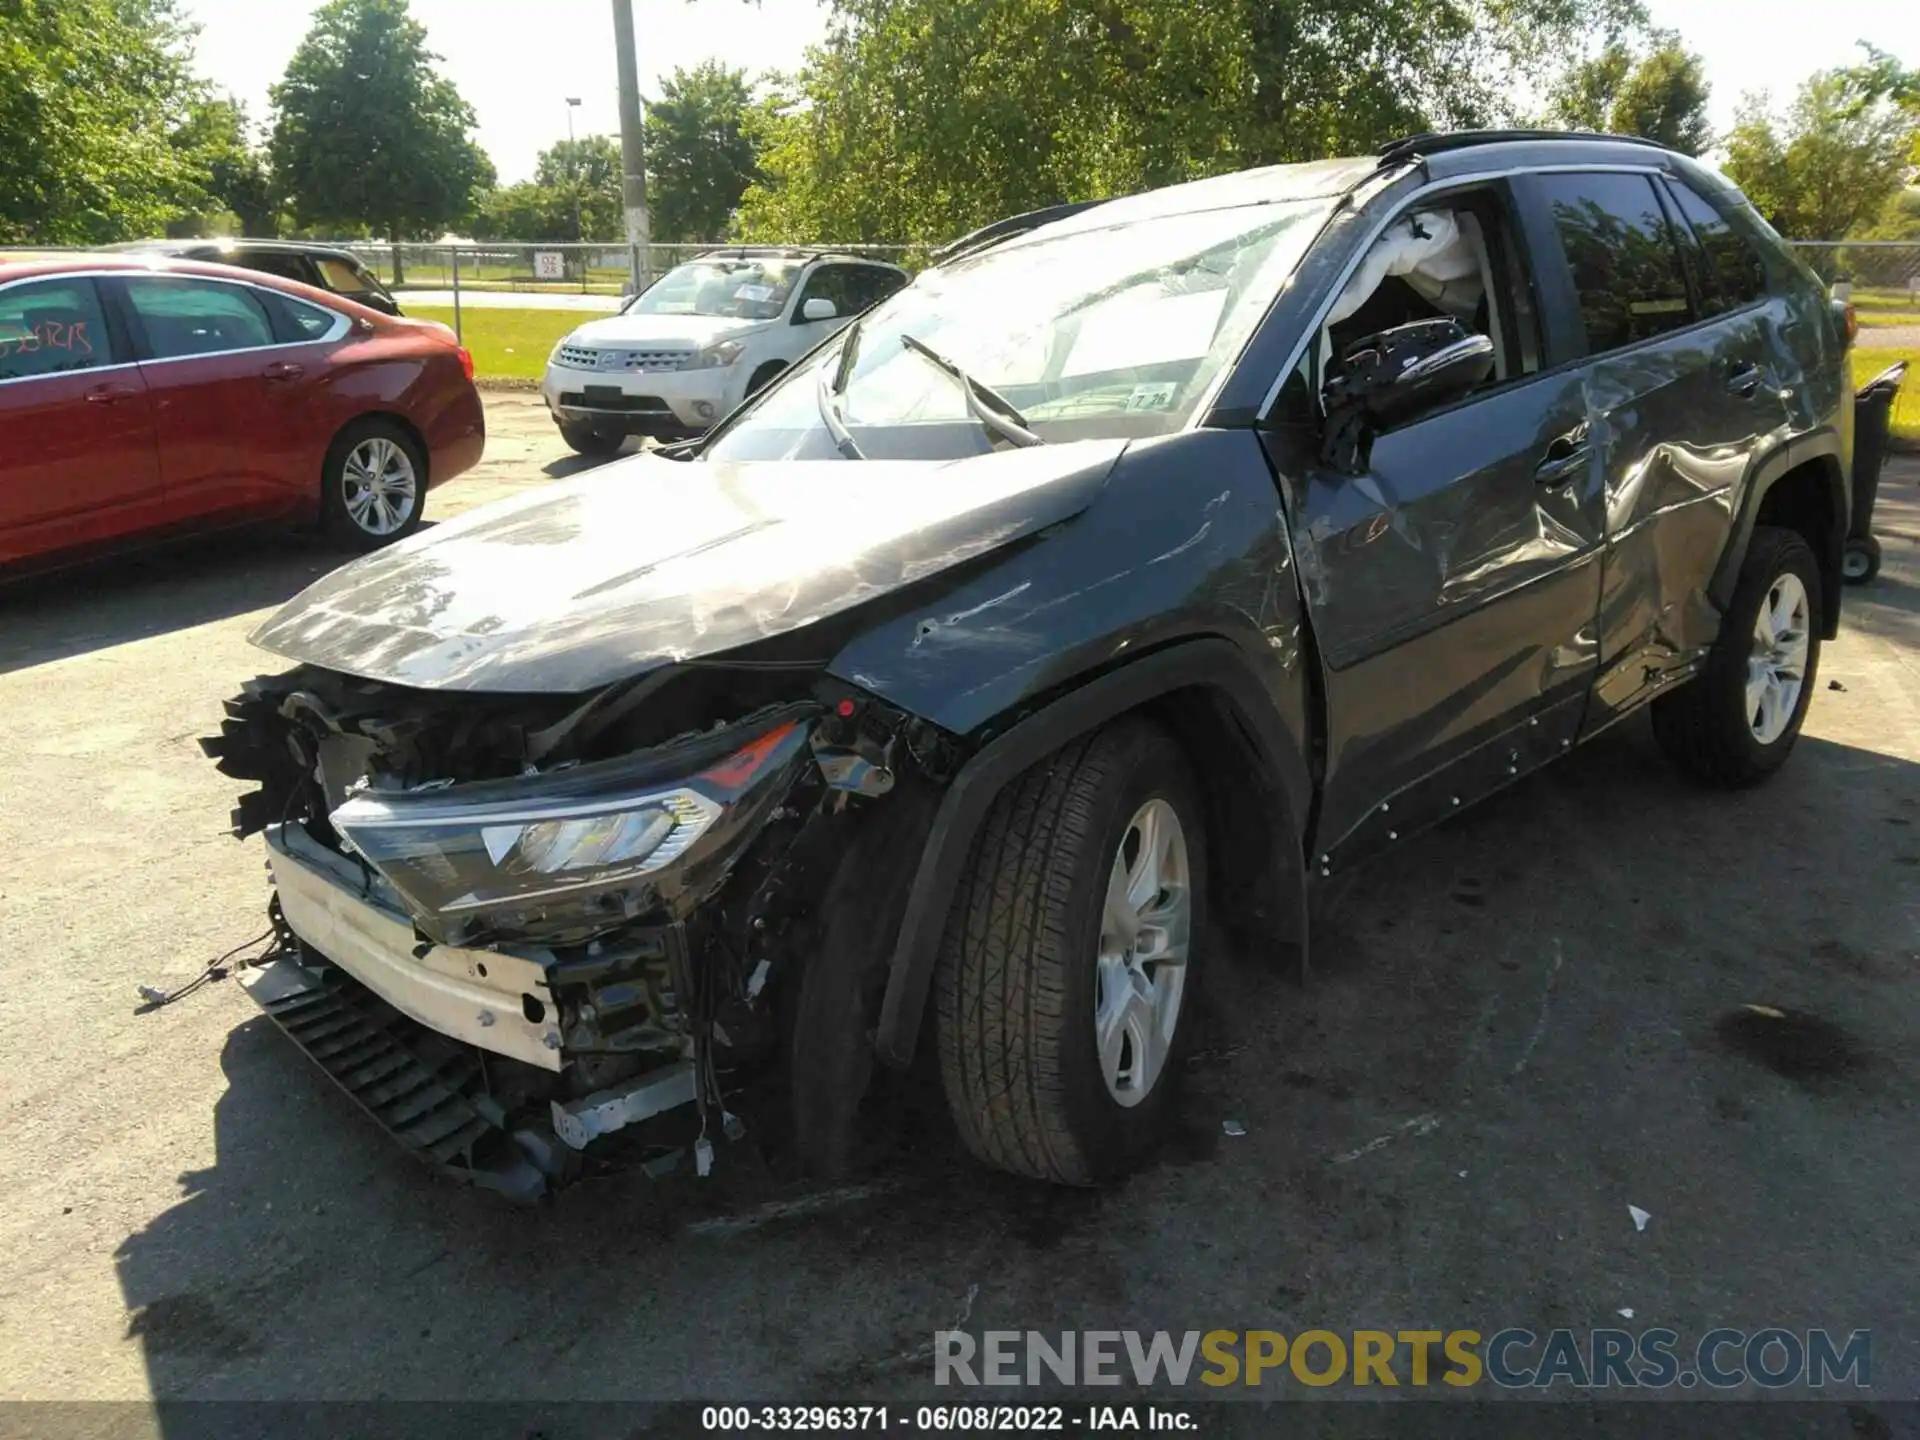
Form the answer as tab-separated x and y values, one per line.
1565	457
1743	380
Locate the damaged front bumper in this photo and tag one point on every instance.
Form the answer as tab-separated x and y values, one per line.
550	968
406	1027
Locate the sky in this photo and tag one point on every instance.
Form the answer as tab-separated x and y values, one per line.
517	61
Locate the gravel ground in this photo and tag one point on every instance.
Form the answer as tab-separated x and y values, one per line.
1516	1030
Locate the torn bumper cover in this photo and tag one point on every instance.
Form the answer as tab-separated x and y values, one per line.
530	974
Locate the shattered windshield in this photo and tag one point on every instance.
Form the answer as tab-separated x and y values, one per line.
744	289
1094	334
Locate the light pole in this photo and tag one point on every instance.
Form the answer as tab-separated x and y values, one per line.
573	168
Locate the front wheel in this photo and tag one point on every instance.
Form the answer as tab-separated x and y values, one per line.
374	485
1067	968
1735	722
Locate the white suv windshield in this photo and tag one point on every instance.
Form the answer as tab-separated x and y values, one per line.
746	289
1096	333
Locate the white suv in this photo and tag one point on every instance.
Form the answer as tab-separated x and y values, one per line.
700	339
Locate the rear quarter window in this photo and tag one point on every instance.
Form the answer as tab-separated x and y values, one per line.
1736	273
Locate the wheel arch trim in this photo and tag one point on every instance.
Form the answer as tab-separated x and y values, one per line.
1812	448
1209	663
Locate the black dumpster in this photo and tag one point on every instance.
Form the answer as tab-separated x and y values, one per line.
1872	419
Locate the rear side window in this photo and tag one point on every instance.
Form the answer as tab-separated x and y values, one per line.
198	317
871	285
51	327
1736	275
342	278
1622	251
297	322
277	262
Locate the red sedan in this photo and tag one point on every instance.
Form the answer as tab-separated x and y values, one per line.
142	399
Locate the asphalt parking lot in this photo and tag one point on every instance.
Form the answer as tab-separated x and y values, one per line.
1517	1029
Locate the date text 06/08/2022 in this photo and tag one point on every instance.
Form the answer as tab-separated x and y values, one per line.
926	1419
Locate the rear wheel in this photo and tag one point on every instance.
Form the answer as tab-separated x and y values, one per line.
1735	722
1066	971
585	440
374	485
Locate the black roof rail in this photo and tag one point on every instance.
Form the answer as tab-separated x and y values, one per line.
1433	142
1006	229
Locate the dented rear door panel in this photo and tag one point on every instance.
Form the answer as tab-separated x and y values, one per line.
1452	590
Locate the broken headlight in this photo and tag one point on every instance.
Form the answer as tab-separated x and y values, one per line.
528	845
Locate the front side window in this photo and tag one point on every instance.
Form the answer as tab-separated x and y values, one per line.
1098	332
198	317
724	288
1623	254
1735	273
51	327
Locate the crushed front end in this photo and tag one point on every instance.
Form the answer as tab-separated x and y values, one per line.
537	934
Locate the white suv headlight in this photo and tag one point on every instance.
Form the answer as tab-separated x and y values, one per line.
718	357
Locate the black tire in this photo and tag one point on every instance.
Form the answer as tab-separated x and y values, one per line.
585	440
1860	562
1703	726
763	377
1016	983
338	511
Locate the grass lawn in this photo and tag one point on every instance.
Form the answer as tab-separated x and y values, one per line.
506	344
1868	363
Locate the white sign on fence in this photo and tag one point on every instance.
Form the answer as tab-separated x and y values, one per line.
549	265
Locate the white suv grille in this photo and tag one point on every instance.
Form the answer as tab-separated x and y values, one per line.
648	362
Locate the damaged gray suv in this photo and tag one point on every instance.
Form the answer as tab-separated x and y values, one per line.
1083	607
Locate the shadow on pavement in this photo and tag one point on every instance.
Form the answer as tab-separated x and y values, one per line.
1523	1005
110	602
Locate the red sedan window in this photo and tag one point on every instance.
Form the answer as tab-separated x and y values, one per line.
198	317
49	327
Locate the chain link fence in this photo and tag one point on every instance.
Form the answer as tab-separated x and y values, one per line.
556	268
1882	278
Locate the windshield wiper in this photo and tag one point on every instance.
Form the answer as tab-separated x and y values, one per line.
989	406
832	387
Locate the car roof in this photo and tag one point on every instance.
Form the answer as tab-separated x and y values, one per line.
808	254
1441	155
24	265
188	247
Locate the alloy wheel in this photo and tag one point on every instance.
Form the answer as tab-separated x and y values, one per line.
1777	662
1145	935
380	486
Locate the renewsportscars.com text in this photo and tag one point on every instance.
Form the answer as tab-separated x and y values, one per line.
1514	1359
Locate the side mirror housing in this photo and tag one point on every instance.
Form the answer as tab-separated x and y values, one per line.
1398	373
1393	375
818	308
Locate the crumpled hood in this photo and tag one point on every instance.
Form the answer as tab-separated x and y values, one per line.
667	331
648	561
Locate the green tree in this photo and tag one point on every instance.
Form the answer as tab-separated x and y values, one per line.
543	208
701	152
1831	163
1660	95
91	92
230	173
917	119
366	131
590	167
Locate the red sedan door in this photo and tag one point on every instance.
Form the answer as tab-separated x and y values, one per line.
78	463
228	397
